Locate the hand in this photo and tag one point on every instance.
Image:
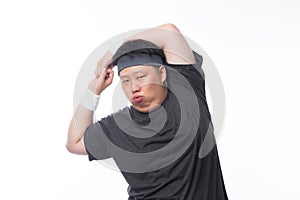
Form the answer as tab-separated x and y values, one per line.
103	74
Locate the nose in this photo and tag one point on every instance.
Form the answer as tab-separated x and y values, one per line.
135	87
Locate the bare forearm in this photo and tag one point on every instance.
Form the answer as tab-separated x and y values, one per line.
83	117
170	39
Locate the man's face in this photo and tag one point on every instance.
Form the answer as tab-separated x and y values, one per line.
143	86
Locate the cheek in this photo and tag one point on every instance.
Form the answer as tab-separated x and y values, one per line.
151	90
151	82
126	91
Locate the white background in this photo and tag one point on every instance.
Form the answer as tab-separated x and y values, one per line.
254	44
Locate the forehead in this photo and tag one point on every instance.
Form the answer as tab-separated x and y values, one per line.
136	69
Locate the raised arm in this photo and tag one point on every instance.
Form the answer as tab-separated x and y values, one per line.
170	39
83	117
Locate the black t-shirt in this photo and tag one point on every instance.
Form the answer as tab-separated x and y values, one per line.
169	153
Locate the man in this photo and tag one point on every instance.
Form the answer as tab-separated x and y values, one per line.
158	141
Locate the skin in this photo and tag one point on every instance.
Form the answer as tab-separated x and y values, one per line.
143	86
176	50
82	117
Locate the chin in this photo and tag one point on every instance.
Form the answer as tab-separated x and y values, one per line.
141	109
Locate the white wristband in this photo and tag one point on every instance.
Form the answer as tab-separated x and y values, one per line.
90	100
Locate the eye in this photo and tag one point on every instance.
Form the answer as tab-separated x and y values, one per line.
125	81
141	76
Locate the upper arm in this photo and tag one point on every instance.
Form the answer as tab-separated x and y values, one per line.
95	143
77	148
75	142
175	46
170	39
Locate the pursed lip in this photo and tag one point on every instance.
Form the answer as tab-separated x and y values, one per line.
136	96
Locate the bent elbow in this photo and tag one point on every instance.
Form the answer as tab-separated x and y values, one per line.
170	26
69	147
76	148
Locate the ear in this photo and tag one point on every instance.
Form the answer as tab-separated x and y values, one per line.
163	73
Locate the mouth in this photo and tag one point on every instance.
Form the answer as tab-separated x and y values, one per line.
137	99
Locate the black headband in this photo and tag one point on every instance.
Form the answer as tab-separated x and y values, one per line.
138	58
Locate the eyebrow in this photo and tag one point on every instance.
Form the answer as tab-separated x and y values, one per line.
135	71
124	76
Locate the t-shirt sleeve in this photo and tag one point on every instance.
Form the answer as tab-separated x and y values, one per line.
194	74
95	143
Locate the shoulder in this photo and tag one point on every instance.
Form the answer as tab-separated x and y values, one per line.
111	117
190	70
186	75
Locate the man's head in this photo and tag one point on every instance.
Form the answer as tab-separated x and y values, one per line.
142	73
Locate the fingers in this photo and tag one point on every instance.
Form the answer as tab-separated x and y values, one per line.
104	62
106	59
103	73
104	80
108	76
